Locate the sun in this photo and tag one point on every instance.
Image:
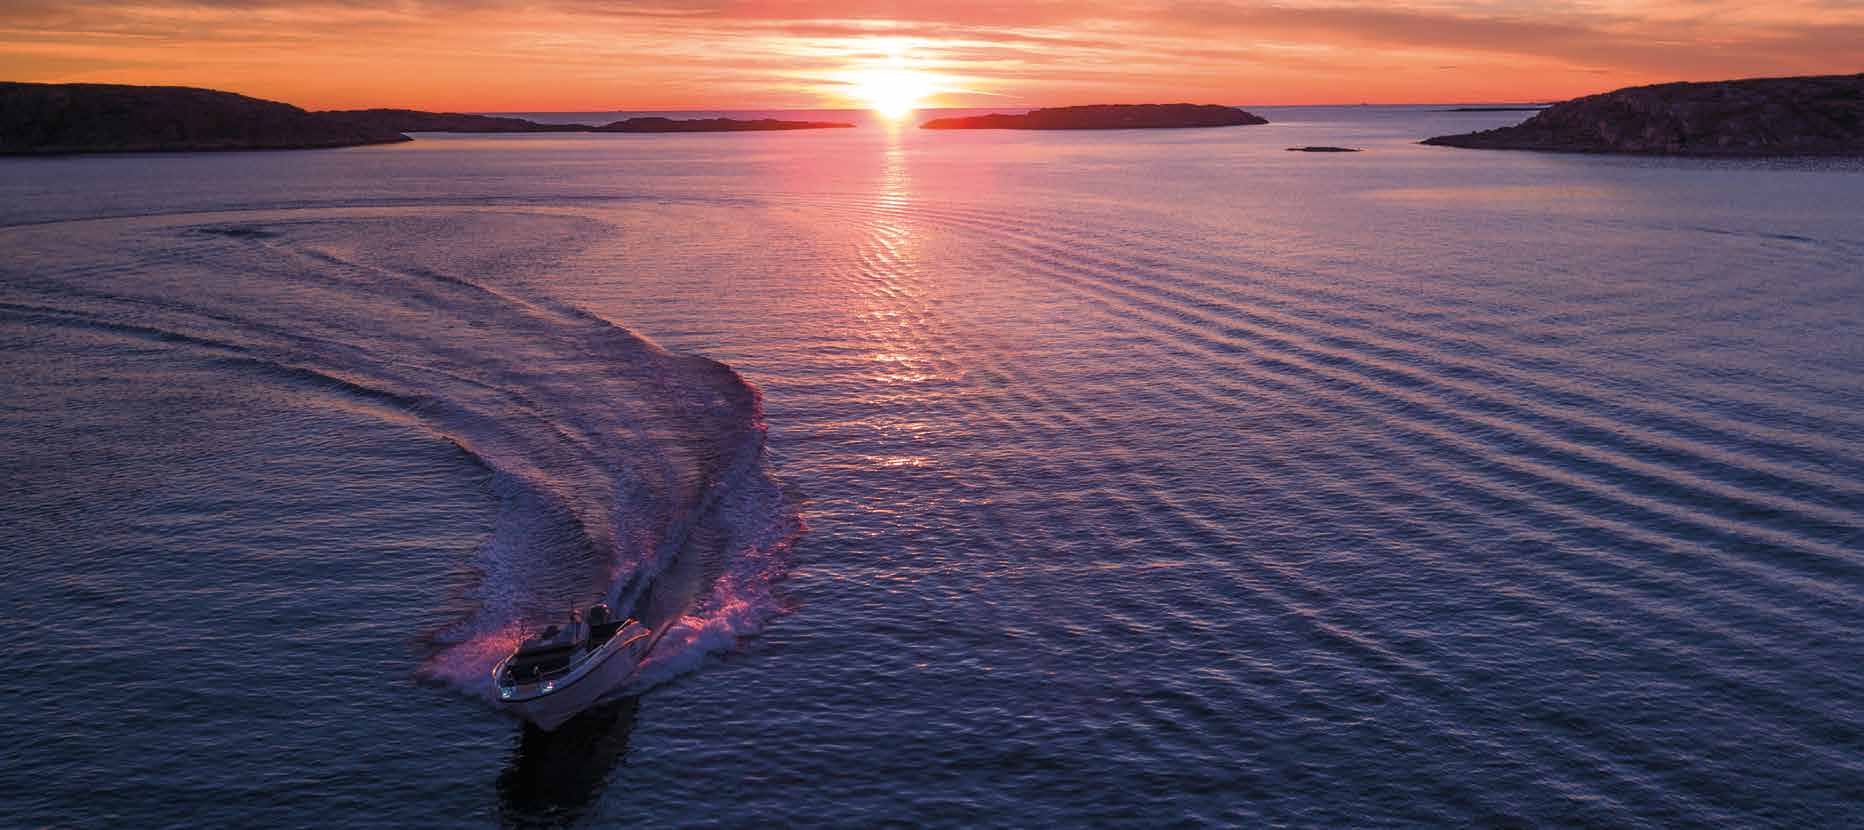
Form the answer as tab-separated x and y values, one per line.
894	93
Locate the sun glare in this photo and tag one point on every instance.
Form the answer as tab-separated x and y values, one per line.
892	92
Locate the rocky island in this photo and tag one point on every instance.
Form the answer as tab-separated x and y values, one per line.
1105	117
92	118
111	118
1822	116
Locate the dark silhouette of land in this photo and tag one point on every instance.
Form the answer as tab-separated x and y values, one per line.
1105	117
91	118
1821	115
1814	116
416	121
1323	150
654	124
105	118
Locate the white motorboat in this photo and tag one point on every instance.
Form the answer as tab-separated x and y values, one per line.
564	670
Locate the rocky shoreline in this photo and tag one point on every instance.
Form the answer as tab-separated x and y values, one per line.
98	118
1812	116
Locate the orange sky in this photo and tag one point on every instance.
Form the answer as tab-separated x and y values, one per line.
541	55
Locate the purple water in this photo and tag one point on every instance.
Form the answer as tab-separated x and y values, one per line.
989	479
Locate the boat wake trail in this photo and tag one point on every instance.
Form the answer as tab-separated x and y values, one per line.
623	472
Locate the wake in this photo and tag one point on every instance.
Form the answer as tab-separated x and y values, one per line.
622	472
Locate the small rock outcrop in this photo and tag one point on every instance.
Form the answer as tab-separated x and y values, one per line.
1821	116
100	118
1106	117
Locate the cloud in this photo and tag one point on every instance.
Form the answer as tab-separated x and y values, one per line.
522	54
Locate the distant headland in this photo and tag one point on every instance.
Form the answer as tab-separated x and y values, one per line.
93	118
1821	115
416	121
106	118
1106	117
656	124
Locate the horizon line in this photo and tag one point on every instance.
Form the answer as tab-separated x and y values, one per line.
936	109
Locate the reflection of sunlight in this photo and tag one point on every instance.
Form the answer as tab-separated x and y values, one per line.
895	180
898	460
905	368
895	317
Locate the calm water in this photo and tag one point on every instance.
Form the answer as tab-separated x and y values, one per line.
1056	479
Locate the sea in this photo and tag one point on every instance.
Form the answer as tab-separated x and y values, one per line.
974	479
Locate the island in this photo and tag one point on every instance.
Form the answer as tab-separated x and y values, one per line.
1105	117
1323	149
93	118
711	125
416	121
115	118
1803	116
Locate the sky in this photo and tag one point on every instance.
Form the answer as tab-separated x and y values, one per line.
589	55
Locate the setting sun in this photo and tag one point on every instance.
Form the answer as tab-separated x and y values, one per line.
892	92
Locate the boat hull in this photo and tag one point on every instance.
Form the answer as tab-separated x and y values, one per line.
549	705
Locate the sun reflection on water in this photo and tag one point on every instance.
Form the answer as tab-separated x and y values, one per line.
896	317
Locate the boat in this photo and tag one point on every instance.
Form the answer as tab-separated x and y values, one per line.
566	669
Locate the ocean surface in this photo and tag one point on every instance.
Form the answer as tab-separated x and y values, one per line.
983	479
